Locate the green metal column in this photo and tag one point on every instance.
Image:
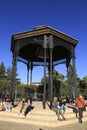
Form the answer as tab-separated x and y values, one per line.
67	66
45	48
31	68
28	78
51	70
13	75
75	86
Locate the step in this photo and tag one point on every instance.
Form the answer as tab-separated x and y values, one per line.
14	117
40	116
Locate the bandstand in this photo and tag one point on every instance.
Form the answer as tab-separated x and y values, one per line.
42	46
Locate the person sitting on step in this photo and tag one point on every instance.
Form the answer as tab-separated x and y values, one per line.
29	108
56	108
23	104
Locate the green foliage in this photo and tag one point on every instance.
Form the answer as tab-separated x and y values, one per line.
64	89
47	80
71	76
73	81
5	80
60	86
83	85
9	71
19	91
57	78
2	71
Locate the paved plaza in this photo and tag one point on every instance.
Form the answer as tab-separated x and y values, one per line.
41	119
4	125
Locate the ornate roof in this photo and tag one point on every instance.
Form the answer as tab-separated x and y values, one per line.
30	44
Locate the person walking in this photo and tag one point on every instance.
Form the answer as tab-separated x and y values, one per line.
80	102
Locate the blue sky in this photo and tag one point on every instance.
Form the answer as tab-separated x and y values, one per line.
67	16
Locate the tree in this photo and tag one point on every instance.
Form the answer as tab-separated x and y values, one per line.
64	88
57	79
19	91
71	81
83	85
2	79
5	80
2	70
57	76
9	71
